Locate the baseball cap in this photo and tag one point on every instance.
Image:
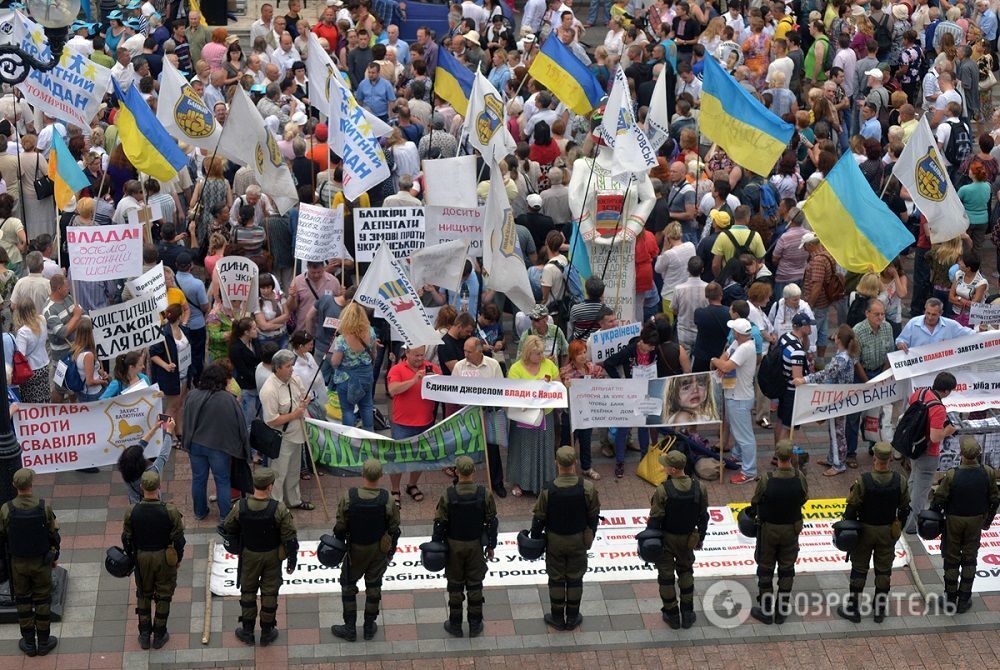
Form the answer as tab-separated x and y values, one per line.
566	456
720	218
539	312
874	72
465	466
783	450
808	238
801	319
184	260
534	200
741	326
673	459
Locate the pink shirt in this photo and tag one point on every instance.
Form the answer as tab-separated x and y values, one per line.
790	259
308	292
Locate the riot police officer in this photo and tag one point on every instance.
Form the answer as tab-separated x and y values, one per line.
264	533
368	520
880	500
777	505
30	532
968	498
567	511
467	519
679	508
153	535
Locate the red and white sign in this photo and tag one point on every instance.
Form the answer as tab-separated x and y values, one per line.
97	253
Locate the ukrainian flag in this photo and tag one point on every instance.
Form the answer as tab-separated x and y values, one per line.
453	81
857	228
732	118
67	177
146	142
571	81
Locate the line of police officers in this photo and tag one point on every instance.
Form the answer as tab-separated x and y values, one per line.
565	520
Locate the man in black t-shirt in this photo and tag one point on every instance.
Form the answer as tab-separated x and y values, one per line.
711	323
450	351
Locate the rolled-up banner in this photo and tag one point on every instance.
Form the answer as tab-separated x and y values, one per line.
490	392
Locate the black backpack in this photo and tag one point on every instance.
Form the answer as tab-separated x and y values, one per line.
959	145
856	311
733	266
912	432
882	35
771	374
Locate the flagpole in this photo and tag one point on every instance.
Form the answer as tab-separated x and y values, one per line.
20	180
197	206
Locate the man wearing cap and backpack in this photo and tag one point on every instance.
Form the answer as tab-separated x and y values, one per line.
733	241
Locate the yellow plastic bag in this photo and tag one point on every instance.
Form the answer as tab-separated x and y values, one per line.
649	467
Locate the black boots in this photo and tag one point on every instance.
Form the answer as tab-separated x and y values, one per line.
370	627
27	642
244	633
268	634
475	627
672	617
688	617
347	632
849	610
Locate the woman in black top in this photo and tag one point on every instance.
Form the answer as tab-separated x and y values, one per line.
170	364
244	353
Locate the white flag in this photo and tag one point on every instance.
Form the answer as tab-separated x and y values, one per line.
921	170
353	137
485	122
657	121
248	141
440	264
632	151
502	256
387	289
183	113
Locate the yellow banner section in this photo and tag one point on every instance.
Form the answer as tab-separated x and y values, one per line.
814	510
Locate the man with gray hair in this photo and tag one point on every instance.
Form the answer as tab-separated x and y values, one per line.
260	202
555	199
407	196
284	401
543	114
270	104
34	285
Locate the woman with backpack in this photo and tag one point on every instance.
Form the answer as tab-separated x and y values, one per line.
83	355
127	375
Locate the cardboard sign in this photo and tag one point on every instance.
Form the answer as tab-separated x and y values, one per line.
489	392
97	253
448	223
401	228
122	328
152	282
606	343
319	236
237	280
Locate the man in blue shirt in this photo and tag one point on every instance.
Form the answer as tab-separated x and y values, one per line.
197	298
375	93
870	127
930	328
987	20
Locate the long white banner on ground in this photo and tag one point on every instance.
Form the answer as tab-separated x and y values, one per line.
988	560
488	392
612	557
71	436
945	355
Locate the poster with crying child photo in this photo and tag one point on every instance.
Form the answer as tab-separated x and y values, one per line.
687	400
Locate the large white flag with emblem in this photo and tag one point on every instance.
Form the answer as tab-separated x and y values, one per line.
502	256
353	137
247	141
387	289
920	169
183	113
485	122
657	120
632	151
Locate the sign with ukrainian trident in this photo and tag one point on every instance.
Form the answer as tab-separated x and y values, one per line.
387	289
345	448
932	181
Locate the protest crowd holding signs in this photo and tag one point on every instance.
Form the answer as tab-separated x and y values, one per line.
660	260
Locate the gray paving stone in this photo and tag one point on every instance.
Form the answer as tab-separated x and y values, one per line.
649	605
613	637
527	611
115	643
182	656
457	644
616	607
398	617
301	619
627	622
300	604
483	643
431	631
139	660
405	647
427	599
532	626
698	633
498	611
586	639
618	592
593	607
510	642
595	624
638	636
523	596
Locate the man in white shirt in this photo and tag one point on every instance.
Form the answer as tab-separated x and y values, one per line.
689	296
946	81
132	201
943	132
542	114
407	196
534	11
738	363
470	10
215	91
285	55
781	63
846	59
688	83
81	42
255	69
122	71
476	364
45	136
262	27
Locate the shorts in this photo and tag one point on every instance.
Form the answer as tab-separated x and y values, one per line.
785	405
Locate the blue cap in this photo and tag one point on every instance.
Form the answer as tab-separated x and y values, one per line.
116	15
133	23
258	88
135	4
17	5
801	319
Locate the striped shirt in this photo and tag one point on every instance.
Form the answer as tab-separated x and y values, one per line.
792	354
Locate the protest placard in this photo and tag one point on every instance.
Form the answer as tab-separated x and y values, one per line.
818	402
122	328
596	403
454	223
977	386
72	91
606	343
981	312
97	253
401	228
236	277
152	282
619	277
451	182
71	436
441	265
489	392
320	234
687	400
944	355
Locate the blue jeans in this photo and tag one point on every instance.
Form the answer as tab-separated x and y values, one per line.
250	404
853	425
692	234
739	416
592	12
400	432
822	315
204	459
356	393
621	436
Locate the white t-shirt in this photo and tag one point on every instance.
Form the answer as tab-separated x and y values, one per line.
745	357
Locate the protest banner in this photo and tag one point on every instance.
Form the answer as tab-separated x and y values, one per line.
401	228
612	558
441	265
72	91
987	562
818	402
387	289
944	355
345	448
97	253
596	403
489	392
71	436
606	343
320	234
125	327
443	224
977	386
451	182
989	442
236	279
981	312
152	282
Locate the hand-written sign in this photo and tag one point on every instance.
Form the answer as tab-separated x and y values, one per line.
132	325
401	228
97	253
152	282
237	280
319	236
606	343
455	223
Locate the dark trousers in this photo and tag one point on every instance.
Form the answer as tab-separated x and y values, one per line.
197	337
921	282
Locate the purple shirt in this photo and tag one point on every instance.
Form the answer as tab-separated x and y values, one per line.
790	259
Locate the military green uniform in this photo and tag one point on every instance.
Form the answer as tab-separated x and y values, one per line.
568	510
777	505
29	530
679	508
368	521
153	534
268	537
467	520
881	502
968	497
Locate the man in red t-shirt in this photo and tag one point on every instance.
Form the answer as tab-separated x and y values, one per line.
411	413
922	469
327	27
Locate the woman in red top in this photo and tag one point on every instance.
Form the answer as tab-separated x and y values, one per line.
647	298
544	151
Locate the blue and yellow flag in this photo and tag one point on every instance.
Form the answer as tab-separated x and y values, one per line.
146	142
857	228
571	81
453	81
732	118
67	177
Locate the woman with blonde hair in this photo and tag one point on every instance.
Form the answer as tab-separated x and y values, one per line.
941	258
711	38
351	357
30	335
530	456
406	157
83	354
672	263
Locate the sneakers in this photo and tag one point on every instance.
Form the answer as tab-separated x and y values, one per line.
453	629
619	470
349	633
740	478
268	635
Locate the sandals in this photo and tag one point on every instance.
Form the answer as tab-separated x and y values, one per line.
516	491
415	493
832	472
305	506
399	499
592	474
852	462
305	476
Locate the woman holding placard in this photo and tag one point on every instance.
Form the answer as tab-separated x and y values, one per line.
531	455
580	367
84	357
128	375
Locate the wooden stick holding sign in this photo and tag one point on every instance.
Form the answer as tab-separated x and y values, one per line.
316	477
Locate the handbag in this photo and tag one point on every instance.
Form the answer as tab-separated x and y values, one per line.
649	467
22	371
44	188
240	476
989	82
264	438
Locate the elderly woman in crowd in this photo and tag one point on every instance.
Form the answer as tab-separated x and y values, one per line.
530	464
284	401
